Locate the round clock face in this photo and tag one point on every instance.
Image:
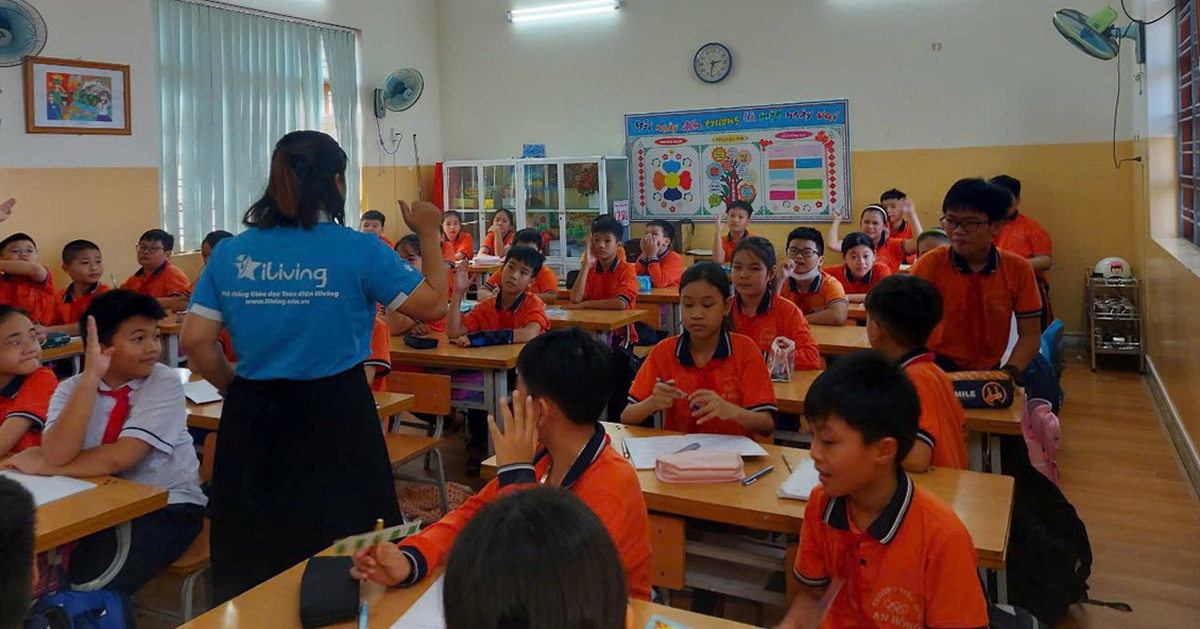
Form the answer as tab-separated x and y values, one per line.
712	63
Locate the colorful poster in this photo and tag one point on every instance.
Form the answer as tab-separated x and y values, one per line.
791	162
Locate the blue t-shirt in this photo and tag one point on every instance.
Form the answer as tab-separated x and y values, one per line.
300	304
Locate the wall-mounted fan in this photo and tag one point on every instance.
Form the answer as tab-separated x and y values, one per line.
400	91
1097	36
22	32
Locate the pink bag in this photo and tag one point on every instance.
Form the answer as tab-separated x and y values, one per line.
1039	427
698	466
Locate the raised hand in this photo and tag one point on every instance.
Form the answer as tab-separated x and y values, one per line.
423	218
518	442
6	209
96	359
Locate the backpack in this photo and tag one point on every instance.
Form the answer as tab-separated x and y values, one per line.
101	609
1042	381
1009	617
1039	427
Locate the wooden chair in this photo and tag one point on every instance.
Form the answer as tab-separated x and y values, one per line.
432	397
194	563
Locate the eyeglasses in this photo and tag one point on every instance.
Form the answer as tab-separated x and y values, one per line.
803	253
144	249
968	227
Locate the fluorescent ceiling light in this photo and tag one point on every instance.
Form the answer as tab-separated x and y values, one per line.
564	10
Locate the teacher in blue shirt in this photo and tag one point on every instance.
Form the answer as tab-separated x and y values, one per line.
302	459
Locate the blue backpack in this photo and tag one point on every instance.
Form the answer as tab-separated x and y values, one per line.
1041	381
101	609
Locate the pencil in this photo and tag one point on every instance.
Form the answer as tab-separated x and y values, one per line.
785	462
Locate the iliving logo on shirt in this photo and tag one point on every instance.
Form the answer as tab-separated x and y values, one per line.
250	269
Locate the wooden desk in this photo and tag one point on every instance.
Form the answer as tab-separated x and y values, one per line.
208	416
72	350
493	361
666	299
276	603
602	321
837	340
789	396
484	269
858	312
169	329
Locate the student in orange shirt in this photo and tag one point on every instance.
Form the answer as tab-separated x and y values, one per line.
85	266
902	312
860	271
551	437
206	248
544	285
931	239
25	385
379	364
372	222
606	281
549	533
738	214
658	261
889	549
26	284
158	278
982	286
409	248
501	231
893	202
800	280
759	313
452	233
889	250
707	379
1024	236
514	315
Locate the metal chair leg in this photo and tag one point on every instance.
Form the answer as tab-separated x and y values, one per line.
441	482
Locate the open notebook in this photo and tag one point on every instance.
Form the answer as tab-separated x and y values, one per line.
644	452
427	612
47	489
800	483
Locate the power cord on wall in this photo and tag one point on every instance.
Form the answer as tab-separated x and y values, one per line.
1116	113
1155	20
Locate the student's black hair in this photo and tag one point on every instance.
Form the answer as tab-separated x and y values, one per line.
7	312
72	250
605	224
159	236
512	219
907	307
761	248
570	368
709	272
934	232
528	256
893	194
528	236
808	233
874	208
855	239
16	552
1012	184
976	195
373	215
412	241
305	168
535	559
115	307
448	213
872	395
17	237
214	237
667	228
740	205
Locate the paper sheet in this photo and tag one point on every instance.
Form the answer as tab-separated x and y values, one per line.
201	392
800	483
47	489
645	451
427	612
355	543
556	312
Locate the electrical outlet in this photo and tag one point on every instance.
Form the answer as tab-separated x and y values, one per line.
936	47
397	134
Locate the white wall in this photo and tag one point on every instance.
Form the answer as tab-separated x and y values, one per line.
395	33
1003	76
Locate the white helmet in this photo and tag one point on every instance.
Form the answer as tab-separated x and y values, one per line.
1113	267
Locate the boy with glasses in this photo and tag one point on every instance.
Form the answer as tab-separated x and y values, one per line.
983	287
158	278
800	280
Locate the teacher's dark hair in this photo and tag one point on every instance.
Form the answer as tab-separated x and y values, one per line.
536	559
306	169
16	552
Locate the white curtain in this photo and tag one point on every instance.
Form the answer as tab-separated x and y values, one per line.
231	85
341	57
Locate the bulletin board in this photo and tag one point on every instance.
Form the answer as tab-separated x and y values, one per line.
791	161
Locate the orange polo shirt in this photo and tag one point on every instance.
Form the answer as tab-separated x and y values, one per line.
858	285
68	309
620	281
1025	237
943	420
36	298
820	293
381	355
28	397
736	372
487	315
391	245
665	270
600	477
489	242
165	281
729	244
978	307
904	232
891	254
777	317
464	244
914	566
545	281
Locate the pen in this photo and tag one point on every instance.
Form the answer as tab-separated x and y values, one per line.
688	448
785	462
362	615
624	449
759	474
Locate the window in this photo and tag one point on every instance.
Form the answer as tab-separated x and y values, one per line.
1188	119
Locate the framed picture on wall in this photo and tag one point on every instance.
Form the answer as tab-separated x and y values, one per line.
76	97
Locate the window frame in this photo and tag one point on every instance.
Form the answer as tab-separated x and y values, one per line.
1187	118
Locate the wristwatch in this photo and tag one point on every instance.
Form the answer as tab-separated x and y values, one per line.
1013	373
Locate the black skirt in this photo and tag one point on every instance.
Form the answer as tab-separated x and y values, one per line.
298	465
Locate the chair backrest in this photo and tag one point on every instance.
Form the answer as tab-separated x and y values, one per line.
571	277
633	249
432	392
210	450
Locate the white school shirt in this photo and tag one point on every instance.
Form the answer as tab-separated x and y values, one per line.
157	416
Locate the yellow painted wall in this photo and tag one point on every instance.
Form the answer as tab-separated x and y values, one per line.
1071	189
382	185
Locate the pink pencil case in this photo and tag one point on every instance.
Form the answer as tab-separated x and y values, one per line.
698	466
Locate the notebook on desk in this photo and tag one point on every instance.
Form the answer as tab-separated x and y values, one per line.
800	483
47	489
644	452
